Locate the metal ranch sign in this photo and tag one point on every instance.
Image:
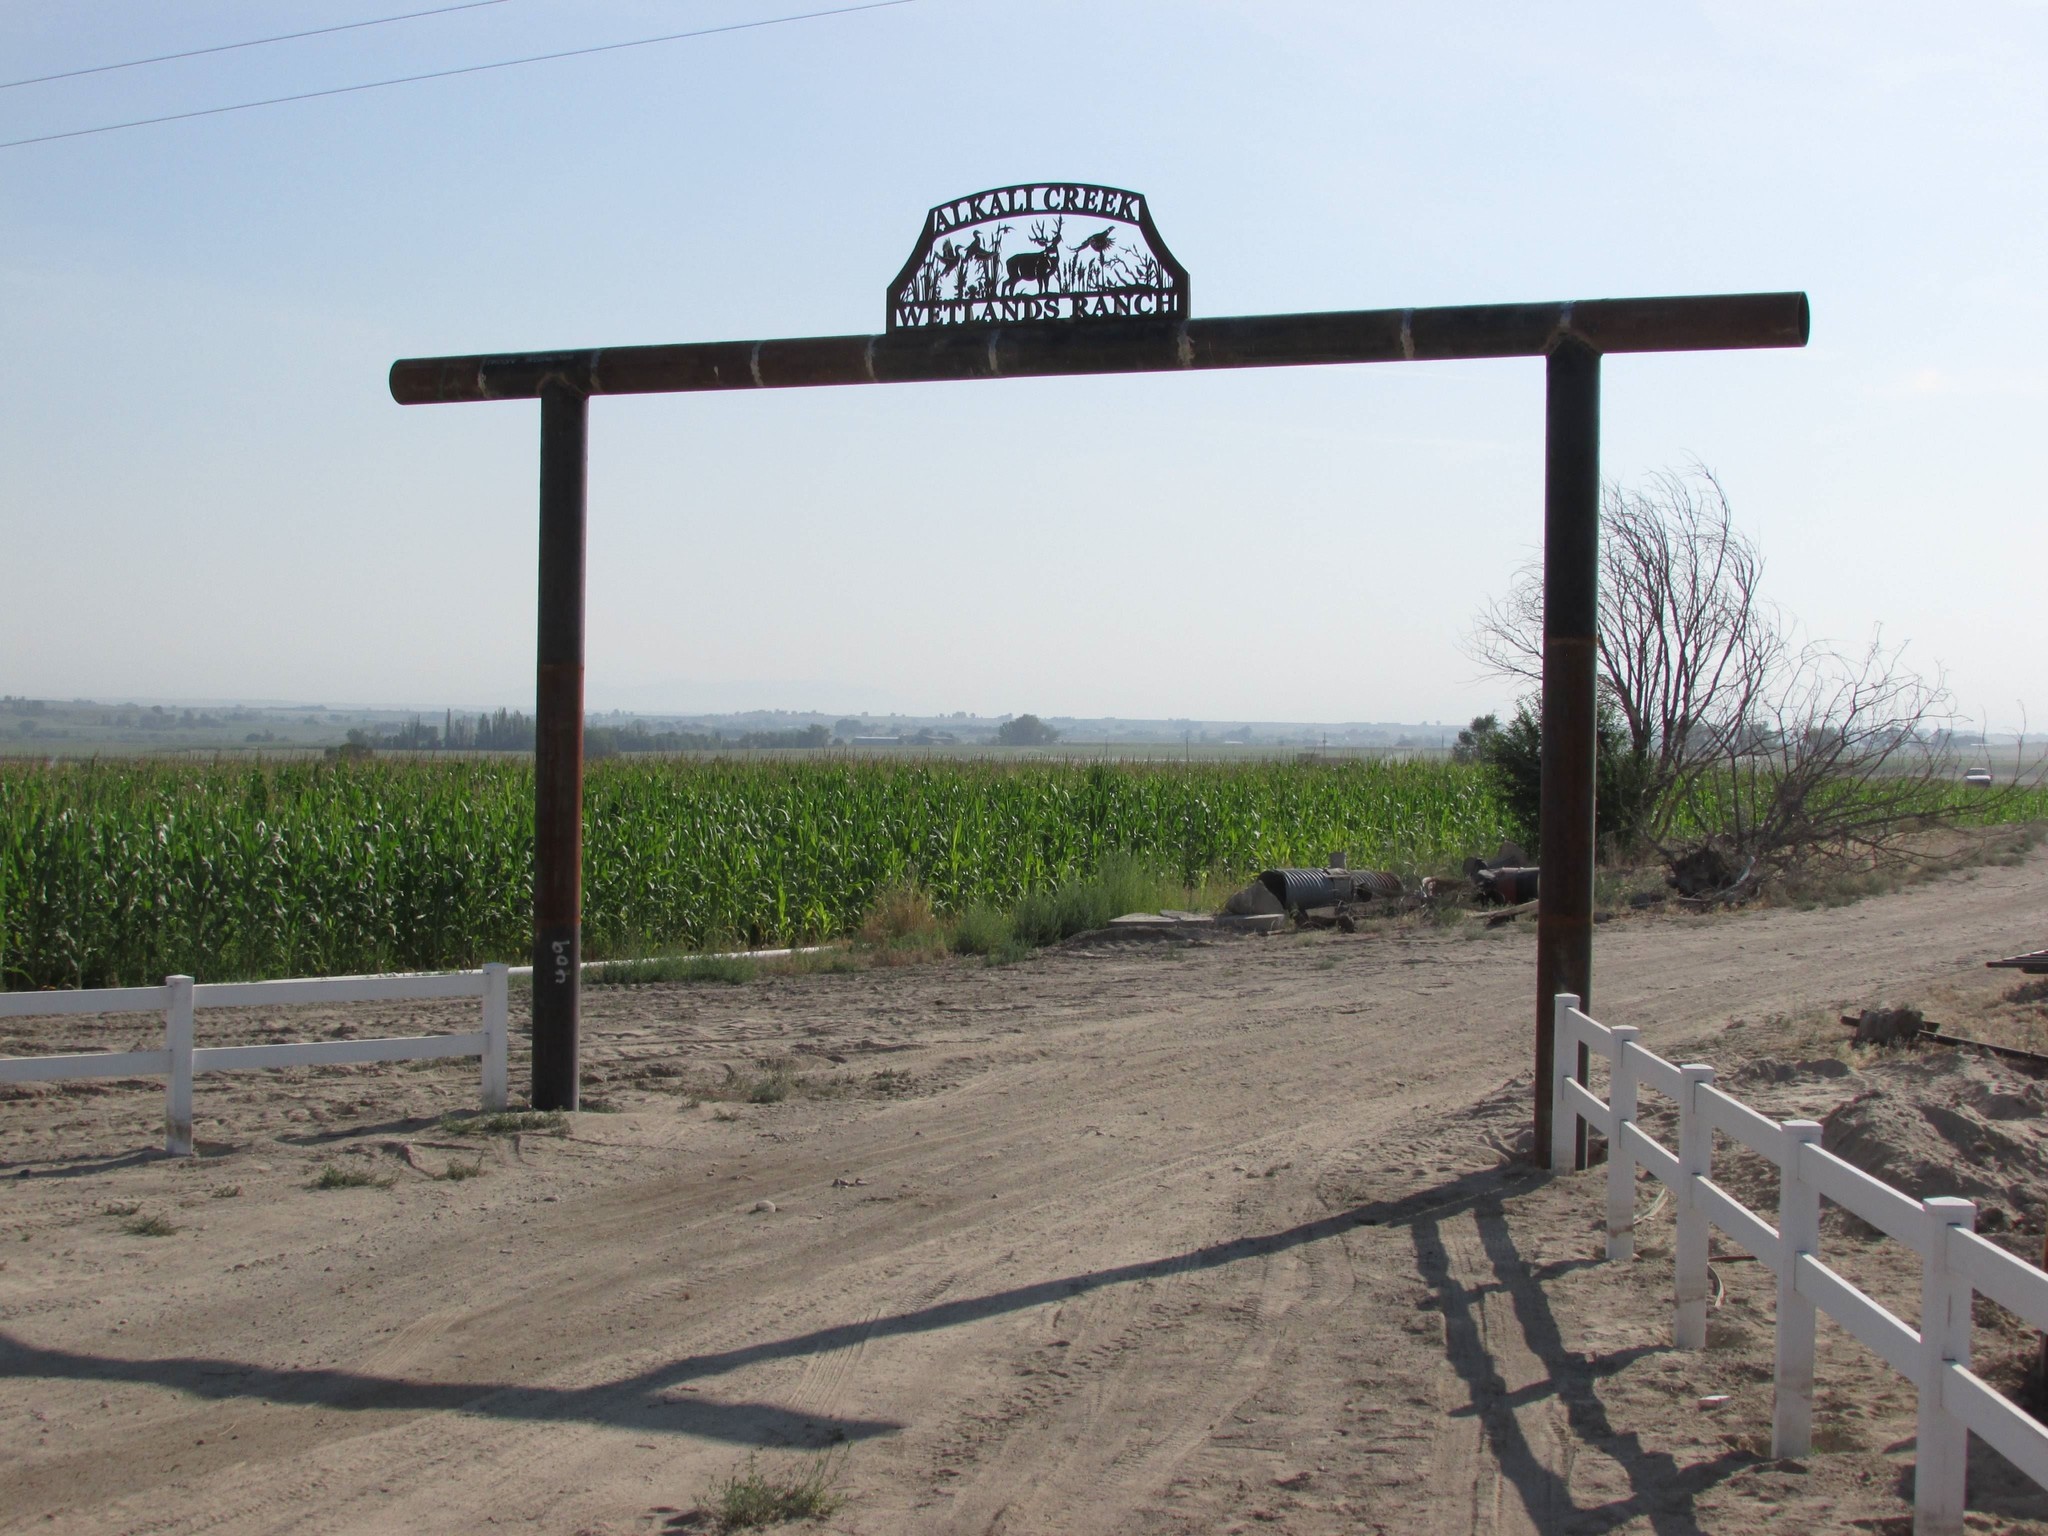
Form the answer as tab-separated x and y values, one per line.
1049	251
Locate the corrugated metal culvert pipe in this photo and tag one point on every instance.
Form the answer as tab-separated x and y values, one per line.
1303	890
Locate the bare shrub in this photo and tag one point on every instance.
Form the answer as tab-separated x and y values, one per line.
1685	644
1753	755
1842	756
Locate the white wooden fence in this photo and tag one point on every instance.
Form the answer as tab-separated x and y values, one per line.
1955	1262
180	1061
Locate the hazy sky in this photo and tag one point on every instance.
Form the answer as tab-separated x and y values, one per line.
206	491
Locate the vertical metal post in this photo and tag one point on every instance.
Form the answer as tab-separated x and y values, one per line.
1571	584
558	750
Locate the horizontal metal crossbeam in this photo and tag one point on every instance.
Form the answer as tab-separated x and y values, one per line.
1700	323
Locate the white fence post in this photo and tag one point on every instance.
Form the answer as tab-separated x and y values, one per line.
1942	1445
1564	1055
1621	1165
495	1048
1792	1370
1695	1161
178	1083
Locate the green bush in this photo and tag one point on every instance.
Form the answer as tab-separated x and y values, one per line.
982	930
1512	759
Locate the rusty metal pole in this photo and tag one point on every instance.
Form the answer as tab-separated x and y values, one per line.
558	750
1571	589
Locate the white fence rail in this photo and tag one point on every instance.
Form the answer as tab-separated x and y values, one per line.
180	1060
1955	1262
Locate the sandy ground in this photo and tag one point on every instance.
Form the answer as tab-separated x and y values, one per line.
1135	1237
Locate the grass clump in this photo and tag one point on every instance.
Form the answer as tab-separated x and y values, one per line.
773	1083
225	1192
1119	884
890	1083
334	1176
148	1226
982	930
457	1171
751	1498
509	1122
725	970
900	927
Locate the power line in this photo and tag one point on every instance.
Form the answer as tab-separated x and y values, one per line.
443	74
254	42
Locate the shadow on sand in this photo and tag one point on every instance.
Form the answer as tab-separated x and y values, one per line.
648	1402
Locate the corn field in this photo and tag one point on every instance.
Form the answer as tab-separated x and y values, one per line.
121	873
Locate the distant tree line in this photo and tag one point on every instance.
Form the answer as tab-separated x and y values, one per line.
504	731
512	731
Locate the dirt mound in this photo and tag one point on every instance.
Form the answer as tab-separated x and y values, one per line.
1951	1125
1769	1069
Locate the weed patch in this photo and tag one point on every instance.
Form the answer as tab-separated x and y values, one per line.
509	1122
1119	884
889	1083
334	1176
148	1226
770	1085
751	1498
982	930
724	970
899	914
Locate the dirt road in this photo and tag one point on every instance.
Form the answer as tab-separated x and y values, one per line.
1134	1237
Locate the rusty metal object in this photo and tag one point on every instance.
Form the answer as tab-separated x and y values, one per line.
2033	963
1926	1032
1571	584
558	752
1379	883
1510	883
1112	264
1704	323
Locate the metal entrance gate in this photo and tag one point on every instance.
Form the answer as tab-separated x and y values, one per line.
1571	337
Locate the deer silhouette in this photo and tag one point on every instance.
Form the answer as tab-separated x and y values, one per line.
1040	266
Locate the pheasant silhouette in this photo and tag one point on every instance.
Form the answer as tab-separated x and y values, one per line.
1099	243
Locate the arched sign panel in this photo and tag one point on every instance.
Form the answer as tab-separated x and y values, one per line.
1049	251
